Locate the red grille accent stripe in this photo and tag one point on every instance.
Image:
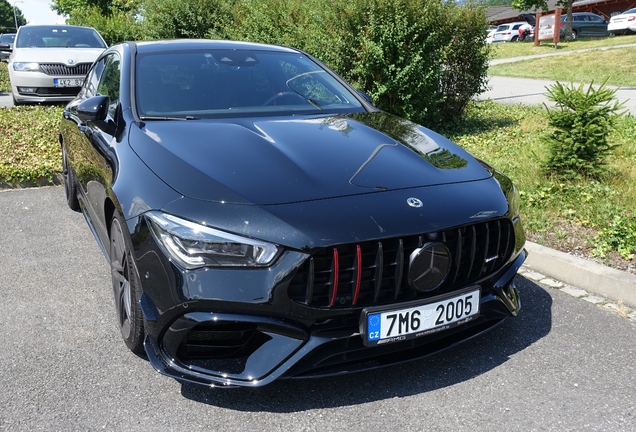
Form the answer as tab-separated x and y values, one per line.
336	270
358	270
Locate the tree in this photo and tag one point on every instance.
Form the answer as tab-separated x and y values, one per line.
525	5
7	22
105	7
115	20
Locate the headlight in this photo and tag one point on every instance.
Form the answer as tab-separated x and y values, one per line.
26	67
192	245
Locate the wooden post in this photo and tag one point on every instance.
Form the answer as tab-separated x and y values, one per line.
537	42
557	27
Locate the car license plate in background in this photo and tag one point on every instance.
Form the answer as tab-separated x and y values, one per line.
68	82
397	325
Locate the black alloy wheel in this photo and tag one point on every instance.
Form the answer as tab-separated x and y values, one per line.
70	183
126	287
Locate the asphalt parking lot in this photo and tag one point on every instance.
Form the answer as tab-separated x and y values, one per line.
562	364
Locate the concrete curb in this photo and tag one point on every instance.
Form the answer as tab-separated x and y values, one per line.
587	275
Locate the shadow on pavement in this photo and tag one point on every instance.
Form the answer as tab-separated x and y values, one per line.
445	369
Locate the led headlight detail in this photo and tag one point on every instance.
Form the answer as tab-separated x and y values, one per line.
192	245
26	67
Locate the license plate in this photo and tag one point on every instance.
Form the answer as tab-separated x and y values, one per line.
68	82
439	314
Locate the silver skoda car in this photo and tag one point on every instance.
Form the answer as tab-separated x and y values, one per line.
49	62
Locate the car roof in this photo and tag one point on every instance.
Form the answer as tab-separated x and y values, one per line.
514	23
189	44
30	26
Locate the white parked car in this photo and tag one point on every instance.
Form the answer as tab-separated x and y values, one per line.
623	23
49	62
490	35
508	32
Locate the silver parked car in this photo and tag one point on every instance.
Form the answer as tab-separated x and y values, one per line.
7	39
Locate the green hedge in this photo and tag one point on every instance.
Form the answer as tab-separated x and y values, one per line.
5	85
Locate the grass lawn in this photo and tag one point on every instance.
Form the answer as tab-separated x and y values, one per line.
586	216
617	66
518	49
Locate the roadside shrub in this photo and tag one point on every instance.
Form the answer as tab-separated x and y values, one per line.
114	28
581	122
29	148
193	19
5	85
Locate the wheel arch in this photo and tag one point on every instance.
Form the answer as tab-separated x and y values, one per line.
109	211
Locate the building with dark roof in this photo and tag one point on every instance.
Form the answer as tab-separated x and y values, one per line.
606	8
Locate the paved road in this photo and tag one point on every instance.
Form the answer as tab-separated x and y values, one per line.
563	364
6	99
509	90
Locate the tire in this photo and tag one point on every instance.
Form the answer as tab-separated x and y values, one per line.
126	286
573	35
70	183
514	39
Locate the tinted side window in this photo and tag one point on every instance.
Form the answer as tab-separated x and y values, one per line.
92	79
109	82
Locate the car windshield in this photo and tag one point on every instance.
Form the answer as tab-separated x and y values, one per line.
234	83
7	38
58	37
630	11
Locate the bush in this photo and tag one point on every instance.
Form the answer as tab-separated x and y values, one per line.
5	85
114	28
194	19
578	145
29	147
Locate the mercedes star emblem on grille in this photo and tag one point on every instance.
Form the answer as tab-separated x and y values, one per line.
414	202
429	266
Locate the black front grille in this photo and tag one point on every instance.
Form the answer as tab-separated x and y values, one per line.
376	272
60	69
55	91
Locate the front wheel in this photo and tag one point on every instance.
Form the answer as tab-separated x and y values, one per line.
70	183
126	287
514	39
573	35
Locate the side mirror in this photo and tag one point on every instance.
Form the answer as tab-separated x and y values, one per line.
365	96
93	109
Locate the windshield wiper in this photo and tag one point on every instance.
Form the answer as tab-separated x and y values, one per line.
310	100
145	117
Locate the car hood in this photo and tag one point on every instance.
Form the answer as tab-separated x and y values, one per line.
267	161
68	56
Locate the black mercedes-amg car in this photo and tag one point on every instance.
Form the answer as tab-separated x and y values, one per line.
263	220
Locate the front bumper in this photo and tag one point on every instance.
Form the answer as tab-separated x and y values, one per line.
252	349
41	87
